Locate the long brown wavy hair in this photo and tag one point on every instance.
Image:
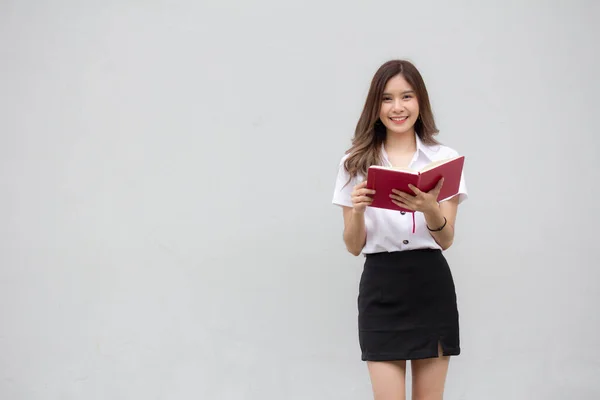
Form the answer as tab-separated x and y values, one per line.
370	132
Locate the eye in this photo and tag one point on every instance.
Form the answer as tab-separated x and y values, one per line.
387	98
408	96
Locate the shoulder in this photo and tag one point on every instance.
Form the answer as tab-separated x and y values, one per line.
344	185
341	167
344	158
344	175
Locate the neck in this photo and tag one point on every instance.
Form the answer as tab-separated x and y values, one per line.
401	142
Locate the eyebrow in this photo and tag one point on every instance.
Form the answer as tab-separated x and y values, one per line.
405	92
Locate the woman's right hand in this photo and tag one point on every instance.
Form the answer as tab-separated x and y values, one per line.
360	198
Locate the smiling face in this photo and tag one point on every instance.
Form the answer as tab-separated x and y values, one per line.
399	106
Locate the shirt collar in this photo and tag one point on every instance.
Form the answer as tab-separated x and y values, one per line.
427	150
422	148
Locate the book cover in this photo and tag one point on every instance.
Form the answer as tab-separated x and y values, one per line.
384	179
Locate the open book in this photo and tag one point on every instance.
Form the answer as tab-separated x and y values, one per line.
384	179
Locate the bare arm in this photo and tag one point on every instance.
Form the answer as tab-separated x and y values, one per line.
355	233
435	220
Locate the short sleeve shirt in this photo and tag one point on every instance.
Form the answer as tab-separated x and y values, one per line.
390	230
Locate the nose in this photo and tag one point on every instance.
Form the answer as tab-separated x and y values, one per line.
397	105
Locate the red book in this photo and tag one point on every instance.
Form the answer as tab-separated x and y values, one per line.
384	179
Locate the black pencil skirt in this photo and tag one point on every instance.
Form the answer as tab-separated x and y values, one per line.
407	306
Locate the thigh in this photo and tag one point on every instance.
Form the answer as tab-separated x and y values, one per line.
429	377
388	379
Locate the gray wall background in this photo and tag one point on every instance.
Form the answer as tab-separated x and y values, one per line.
166	177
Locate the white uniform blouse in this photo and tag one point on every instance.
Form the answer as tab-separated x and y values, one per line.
389	230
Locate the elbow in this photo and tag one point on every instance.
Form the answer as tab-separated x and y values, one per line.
354	252
352	248
354	242
446	245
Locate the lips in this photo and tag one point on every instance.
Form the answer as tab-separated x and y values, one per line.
398	120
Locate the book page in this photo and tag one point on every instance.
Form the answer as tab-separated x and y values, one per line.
408	170
434	164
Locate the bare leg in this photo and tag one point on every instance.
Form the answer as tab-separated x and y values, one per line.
388	379
429	377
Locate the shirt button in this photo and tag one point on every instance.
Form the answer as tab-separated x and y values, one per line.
405	241
402	212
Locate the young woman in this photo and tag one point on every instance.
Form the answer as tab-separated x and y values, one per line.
407	302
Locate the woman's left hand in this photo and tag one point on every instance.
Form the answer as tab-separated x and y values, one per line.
421	201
